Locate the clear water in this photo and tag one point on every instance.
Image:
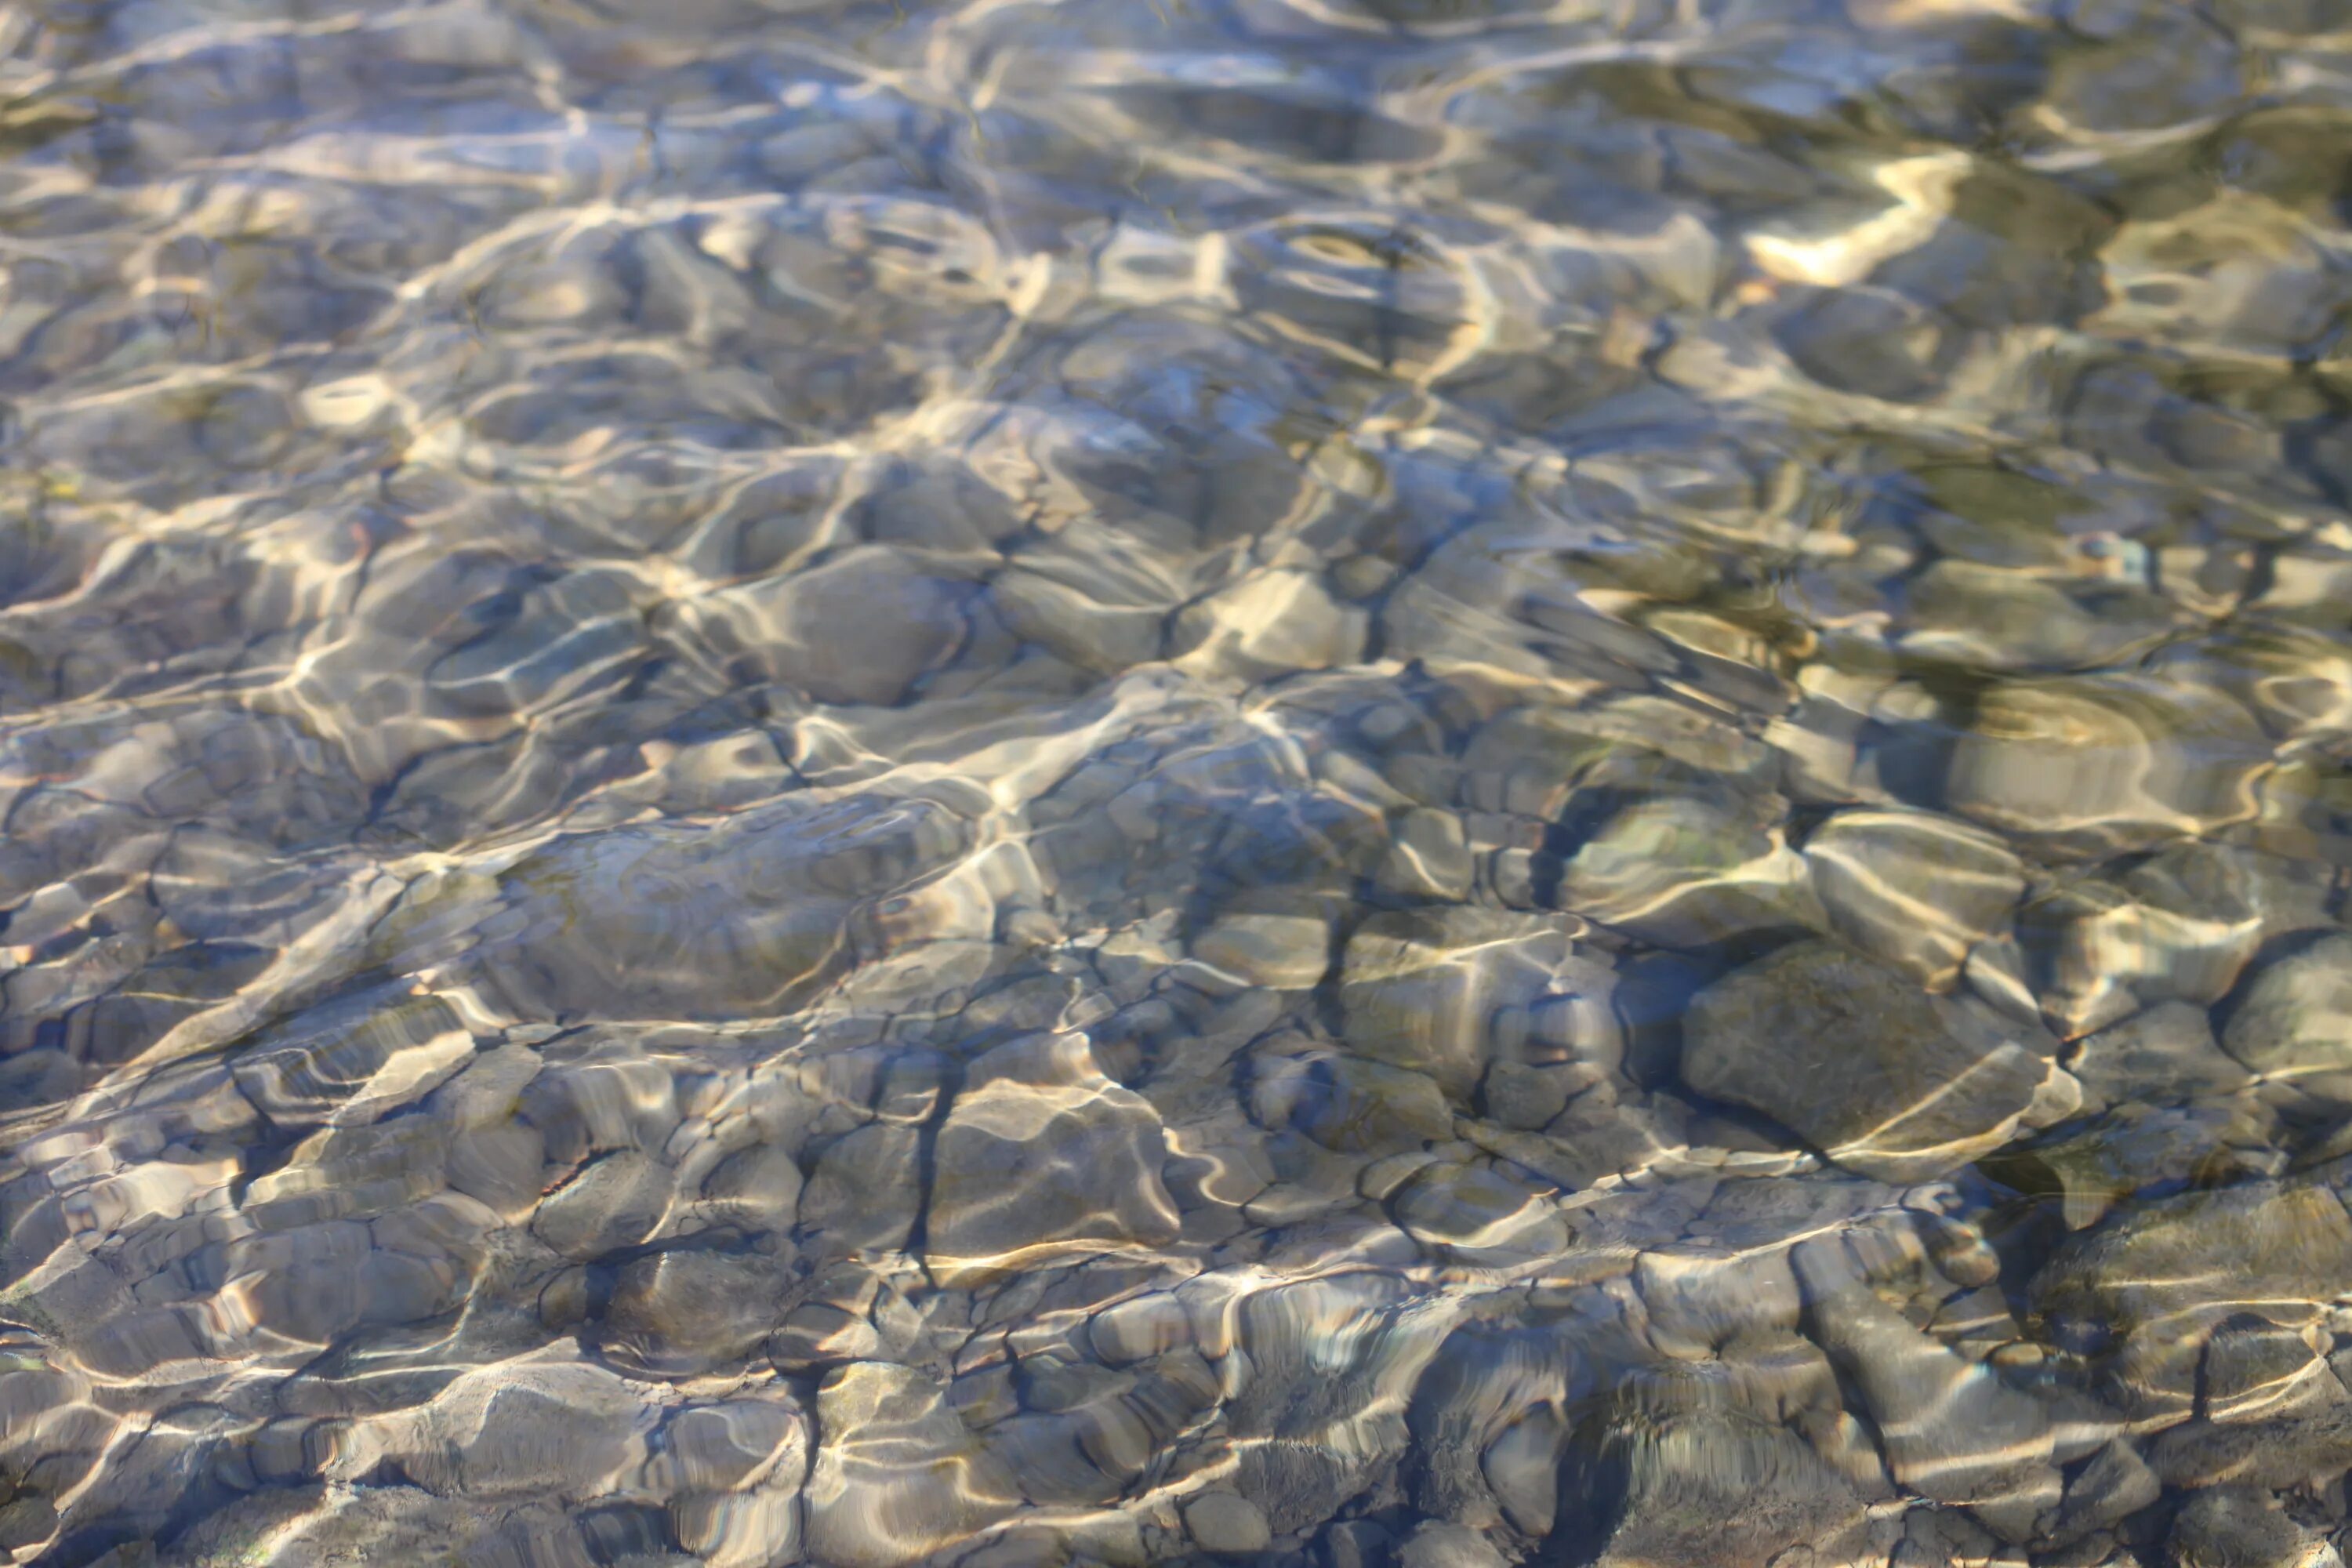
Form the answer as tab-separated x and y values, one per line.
1391	783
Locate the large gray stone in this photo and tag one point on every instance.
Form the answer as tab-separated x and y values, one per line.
1859	1063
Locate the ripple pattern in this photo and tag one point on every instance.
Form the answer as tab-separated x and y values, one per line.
1073	784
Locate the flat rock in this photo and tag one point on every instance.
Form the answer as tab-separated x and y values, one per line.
2182	924
1267	623
1429	855
1698	1300
540	1427
2255	1370
353	1062
1354	1105
723	1446
1478	1212
1993	617
2114	1484
865	1192
664	921
1857	1061
1684	871
758	1189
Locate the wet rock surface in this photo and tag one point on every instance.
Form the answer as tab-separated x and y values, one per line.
1382	784
1857	1062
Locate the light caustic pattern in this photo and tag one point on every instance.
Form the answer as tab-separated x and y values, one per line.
1382	784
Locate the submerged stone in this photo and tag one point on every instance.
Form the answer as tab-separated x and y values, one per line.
1857	1061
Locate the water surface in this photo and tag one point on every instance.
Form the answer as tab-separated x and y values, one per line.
1391	783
